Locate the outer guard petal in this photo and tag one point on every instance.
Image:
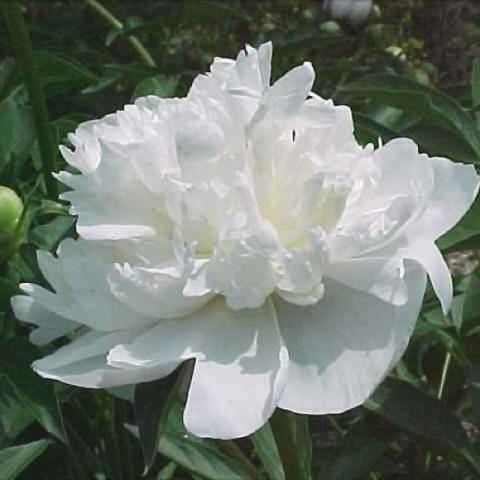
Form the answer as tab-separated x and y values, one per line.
240	368
341	348
455	188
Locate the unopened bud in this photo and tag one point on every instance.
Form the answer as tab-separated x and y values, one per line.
11	208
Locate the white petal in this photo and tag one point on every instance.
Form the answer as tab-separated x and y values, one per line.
429	256
455	188
381	277
154	158
51	269
240	369
403	169
83	293
50	325
341	348
88	345
264	62
83	362
153	293
288	93
198	142
95	373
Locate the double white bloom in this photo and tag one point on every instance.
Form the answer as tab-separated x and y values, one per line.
245	228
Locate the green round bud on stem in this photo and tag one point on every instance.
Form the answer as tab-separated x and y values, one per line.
11	208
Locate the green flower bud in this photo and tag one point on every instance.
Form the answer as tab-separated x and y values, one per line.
11	208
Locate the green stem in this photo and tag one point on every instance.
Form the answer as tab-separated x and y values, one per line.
443	379
23	49
441	388
282	428
234	451
118	25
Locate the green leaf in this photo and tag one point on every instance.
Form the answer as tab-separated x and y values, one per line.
153	401
419	413
467	228
7	69
363	445
16	129
292	436
303	442
476	86
7	290
14	415
130	24
102	83
369	131
415	98
267	451
168	472
60	74
49	235
198	457
37	394
466	307
26	265
14	460
473	383
471	303
439	141
160	85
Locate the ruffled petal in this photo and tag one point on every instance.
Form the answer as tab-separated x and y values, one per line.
153	293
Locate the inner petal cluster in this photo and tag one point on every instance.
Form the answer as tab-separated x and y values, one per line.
246	189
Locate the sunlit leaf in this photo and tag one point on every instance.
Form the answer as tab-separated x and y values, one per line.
14	460
198	457
267	451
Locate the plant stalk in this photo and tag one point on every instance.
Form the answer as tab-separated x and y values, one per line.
441	388
23	49
118	25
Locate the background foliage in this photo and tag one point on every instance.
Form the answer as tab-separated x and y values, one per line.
410	71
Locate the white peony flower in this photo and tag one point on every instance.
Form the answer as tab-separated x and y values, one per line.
243	227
